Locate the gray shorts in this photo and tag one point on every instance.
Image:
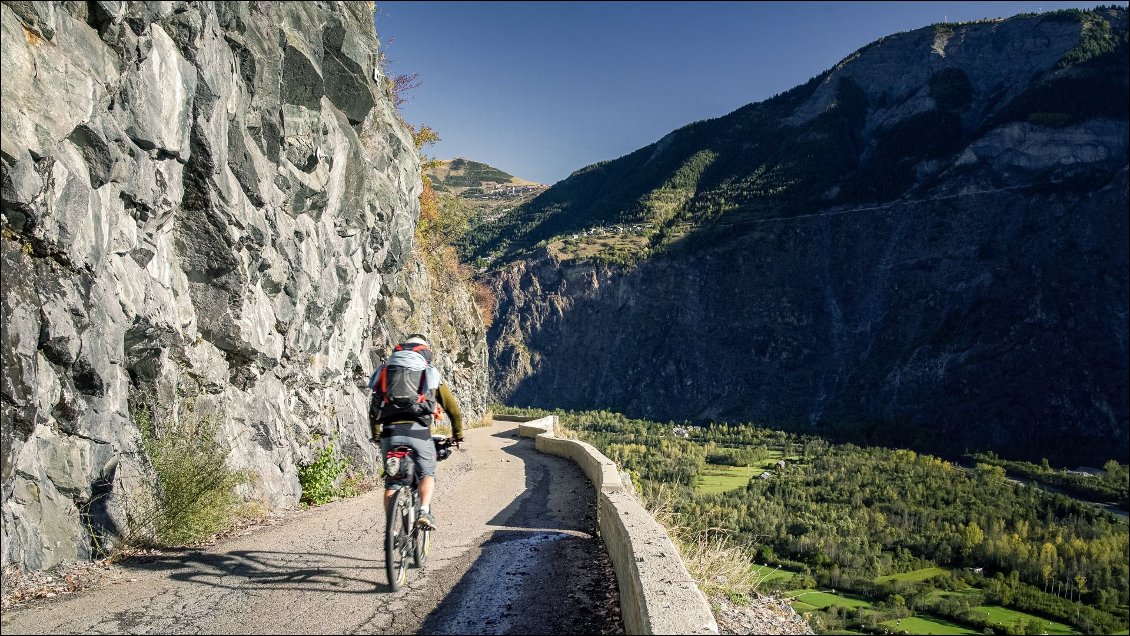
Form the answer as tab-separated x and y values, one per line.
425	455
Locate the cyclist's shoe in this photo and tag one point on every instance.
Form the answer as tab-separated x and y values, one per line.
426	521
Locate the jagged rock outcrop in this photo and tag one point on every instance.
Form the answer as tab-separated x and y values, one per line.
926	246
208	197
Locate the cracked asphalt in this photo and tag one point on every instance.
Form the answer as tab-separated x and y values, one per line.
516	553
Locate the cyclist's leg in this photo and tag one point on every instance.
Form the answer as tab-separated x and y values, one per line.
426	465
427	484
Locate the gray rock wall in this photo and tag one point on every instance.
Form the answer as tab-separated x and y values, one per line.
210	197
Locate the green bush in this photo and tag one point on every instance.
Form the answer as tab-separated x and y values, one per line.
194	496
326	478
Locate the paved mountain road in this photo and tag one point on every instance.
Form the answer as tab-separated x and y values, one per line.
515	553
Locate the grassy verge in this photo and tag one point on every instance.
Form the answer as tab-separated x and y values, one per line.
716	562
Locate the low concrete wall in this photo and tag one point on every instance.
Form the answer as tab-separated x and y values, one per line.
657	595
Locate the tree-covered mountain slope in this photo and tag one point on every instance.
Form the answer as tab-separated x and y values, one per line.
925	245
899	118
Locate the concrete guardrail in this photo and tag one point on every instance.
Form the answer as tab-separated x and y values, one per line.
657	594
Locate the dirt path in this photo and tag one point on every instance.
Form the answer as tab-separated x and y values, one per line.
515	554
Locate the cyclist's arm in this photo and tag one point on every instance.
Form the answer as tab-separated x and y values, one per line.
451	408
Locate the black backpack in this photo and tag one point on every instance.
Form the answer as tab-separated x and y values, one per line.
401	394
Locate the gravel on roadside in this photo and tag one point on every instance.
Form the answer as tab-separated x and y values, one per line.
764	615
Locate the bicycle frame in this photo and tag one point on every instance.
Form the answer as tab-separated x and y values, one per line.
403	539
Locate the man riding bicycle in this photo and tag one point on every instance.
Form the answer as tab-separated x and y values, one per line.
409	395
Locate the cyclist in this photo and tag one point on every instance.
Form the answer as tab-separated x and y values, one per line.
409	394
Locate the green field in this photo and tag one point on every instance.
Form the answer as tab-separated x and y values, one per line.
814	599
926	625
766	573
1004	616
715	479
807	600
913	577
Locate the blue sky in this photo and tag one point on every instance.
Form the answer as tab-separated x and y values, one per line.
540	89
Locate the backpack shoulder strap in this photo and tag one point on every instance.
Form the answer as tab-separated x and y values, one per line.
381	386
422	390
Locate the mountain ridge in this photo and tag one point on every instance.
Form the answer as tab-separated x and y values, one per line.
842	134
923	245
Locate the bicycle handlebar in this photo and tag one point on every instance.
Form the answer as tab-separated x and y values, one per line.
443	446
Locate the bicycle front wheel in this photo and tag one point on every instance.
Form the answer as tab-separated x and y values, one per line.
398	540
423	545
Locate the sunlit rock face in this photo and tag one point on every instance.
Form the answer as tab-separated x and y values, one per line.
212	200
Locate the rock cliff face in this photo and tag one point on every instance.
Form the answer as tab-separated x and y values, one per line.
213	199
945	266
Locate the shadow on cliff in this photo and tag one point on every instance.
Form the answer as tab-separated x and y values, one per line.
992	322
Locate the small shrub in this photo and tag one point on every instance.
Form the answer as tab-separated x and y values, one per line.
560	431
485	300
194	496
326	478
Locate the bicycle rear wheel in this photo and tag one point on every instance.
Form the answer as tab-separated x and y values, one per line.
398	540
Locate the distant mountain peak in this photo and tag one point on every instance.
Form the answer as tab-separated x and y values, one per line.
459	174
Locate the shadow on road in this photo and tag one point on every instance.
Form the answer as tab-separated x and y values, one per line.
244	569
544	570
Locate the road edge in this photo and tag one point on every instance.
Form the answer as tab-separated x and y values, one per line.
657	594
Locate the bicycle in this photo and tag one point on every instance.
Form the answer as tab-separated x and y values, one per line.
403	540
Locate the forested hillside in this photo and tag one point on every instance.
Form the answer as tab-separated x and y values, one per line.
850	136
900	533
